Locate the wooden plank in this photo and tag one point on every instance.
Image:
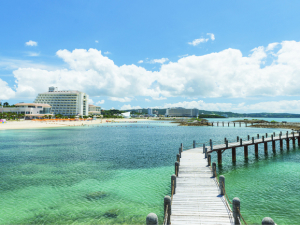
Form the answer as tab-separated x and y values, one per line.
197	199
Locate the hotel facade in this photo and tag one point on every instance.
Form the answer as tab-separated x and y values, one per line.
65	102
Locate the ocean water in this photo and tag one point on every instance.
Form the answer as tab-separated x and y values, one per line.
118	173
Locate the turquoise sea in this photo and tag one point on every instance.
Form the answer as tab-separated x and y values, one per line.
118	173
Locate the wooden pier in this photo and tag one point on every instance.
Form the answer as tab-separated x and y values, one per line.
197	198
220	148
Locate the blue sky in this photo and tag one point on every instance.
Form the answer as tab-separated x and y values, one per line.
239	56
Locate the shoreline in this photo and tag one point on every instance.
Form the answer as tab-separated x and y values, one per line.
30	124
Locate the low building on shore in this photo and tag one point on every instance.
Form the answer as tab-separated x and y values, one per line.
182	112
30	110
94	110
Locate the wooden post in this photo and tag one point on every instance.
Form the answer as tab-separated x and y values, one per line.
180	152
252	140
237	139
151	219
209	160
222	184
176	168
226	143
266	147
214	169
167	202
299	140
233	155
256	149
205	152
287	143
281	143
181	146
246	151
234	124
219	157
203	148
228	124
266	135
236	203
294	141
173	183
241	142
257	136
248	137
178	158
194	144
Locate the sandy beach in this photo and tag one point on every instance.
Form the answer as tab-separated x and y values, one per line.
30	124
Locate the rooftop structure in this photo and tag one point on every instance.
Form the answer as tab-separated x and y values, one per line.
65	102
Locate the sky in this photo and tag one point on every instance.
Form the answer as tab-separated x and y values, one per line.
238	56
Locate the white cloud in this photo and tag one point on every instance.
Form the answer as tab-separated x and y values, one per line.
96	41
33	54
226	74
198	41
162	60
5	91
147	100
271	46
107	52
212	36
100	102
31	43
125	99
182	56
91	101
159	98
128	107
141	61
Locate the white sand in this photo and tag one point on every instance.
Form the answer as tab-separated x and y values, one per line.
29	124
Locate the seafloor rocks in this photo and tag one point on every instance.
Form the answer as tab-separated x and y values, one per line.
96	195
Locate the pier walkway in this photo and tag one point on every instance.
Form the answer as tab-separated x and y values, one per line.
197	198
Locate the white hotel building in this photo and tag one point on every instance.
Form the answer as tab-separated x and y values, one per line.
65	102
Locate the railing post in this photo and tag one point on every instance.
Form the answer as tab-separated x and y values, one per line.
248	137
167	203
178	158
236	203
205	151
152	219
176	168
237	139
180	152
222	184
225	140
214	169
263	139
266	135
173	183
241	142
272	137
257	136
252	140
208	159
267	221
226	143
194	144
203	148
181	146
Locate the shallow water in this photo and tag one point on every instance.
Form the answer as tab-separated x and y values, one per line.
118	173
